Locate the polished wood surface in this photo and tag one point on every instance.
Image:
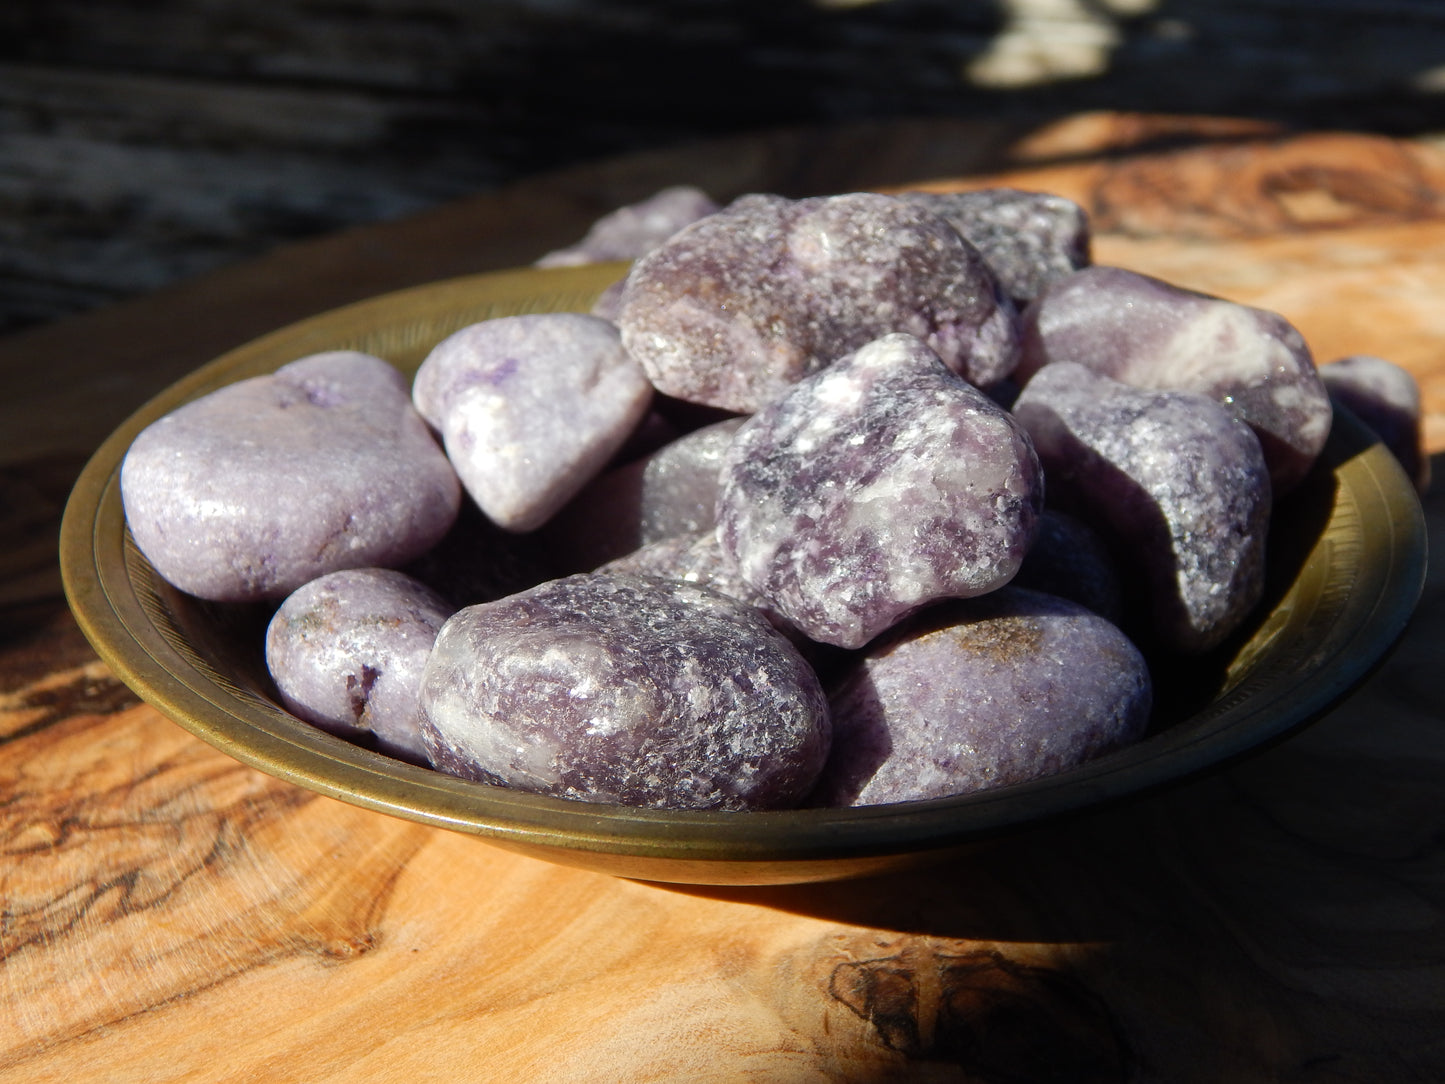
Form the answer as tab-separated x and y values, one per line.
167	914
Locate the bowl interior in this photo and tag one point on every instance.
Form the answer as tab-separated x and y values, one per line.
1346	567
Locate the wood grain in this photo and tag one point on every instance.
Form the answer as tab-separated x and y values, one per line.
168	915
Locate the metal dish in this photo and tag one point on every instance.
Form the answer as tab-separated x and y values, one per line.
1346	569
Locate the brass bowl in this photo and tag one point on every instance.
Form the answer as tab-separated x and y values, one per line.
1346	569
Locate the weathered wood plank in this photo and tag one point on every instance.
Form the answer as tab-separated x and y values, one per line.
143	143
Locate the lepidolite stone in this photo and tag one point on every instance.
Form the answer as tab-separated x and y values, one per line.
1028	238
531	408
737	307
626	689
264	485
874	487
1385	397
638	228
671	492
1151	334
699	558
1069	559
983	693
347	650
1175	481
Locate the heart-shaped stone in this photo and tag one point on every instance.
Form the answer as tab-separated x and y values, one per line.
531	408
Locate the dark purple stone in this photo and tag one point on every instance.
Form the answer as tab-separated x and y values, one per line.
1175	482
671	492
737	307
1028	238
875	487
1070	560
982	693
626	689
1386	398
699	558
1148	333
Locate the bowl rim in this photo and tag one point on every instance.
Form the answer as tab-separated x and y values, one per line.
105	581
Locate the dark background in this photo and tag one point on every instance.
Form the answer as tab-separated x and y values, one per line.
143	141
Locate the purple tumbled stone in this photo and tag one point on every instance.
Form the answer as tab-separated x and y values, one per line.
699	558
347	650
638	228
671	492
531	408
1028	238
1070	560
626	689
264	485
982	693
1177	485
1148	333
737	307
1386	397
875	487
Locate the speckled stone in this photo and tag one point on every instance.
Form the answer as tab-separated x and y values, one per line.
737	307
698	558
1070	560
671	492
626	689
531	408
874	487
1385	397
347	650
982	693
1150	334
264	485
638	228
1028	238
1175	482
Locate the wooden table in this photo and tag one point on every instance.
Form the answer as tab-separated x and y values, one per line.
167	914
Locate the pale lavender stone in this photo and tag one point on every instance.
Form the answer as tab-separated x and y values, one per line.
1070	560
264	485
626	689
983	693
1150	334
1028	238
742	304
531	408
671	492
875	487
635	229
347	651
1175	482
1385	397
